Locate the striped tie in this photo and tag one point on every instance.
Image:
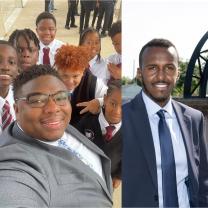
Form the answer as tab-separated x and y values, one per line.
6	116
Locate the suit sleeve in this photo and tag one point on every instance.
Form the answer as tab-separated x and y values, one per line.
22	186
203	166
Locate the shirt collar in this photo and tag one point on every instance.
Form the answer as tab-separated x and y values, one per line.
93	61
47	46
153	108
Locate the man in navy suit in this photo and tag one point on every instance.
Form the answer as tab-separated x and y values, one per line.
142	165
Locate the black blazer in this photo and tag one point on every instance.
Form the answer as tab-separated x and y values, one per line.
90	127
139	172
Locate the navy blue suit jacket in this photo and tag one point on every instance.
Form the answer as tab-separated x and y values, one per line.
139	172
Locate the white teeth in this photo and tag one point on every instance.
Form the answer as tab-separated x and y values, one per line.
161	85
4	76
53	123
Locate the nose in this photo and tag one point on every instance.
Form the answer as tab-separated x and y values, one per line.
160	73
118	110
51	106
69	83
26	53
4	66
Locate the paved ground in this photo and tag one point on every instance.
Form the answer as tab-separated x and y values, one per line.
26	19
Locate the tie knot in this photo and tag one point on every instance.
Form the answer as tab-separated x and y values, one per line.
161	114
6	106
109	132
110	128
46	50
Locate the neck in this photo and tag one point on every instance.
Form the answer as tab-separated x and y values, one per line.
4	91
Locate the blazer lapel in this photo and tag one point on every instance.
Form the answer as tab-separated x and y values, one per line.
185	125
107	184
145	140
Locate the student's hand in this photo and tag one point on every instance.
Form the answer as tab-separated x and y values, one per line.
114	70
116	182
93	106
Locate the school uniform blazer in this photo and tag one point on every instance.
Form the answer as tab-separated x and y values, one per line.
139	172
89	125
35	174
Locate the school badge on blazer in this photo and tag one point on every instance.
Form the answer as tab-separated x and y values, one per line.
89	134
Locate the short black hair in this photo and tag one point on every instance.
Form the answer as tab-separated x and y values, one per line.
45	15
114	85
33	72
5	42
87	31
115	29
157	42
27	34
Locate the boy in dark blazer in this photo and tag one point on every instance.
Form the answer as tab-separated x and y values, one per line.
95	128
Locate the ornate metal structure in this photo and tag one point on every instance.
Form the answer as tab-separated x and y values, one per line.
195	84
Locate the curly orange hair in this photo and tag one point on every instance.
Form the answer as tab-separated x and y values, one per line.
72	58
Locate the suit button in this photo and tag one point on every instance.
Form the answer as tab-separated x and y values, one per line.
156	198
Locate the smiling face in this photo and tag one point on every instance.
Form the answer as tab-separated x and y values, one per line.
71	78
112	104
48	122
92	41
116	40
159	73
8	65
46	30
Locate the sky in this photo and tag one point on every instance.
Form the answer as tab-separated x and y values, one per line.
183	22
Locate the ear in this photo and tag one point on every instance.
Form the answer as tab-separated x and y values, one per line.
36	29
178	76
16	110
139	74
104	100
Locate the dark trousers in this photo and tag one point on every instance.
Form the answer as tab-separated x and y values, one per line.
95	14
86	8
71	12
105	8
47	2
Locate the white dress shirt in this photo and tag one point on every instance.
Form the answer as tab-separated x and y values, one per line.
54	45
103	124
10	99
99	68
88	157
178	148
100	90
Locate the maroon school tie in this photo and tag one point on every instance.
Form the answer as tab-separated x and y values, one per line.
46	59
6	116
109	132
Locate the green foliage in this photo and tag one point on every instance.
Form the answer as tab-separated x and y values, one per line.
178	90
127	80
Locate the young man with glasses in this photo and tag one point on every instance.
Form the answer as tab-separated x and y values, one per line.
44	161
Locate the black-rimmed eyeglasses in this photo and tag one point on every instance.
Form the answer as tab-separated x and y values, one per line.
38	100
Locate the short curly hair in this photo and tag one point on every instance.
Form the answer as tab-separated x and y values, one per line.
72	58
34	72
45	15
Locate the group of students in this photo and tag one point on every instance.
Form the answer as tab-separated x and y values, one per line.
93	84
